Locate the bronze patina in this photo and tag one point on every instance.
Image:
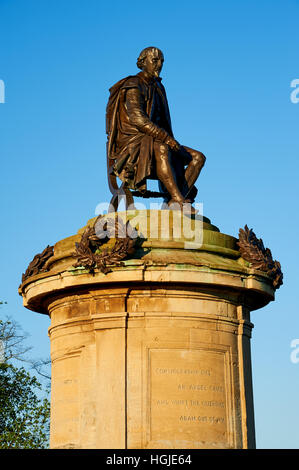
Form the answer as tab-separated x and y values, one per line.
141	144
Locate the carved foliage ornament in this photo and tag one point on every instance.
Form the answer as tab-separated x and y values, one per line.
89	253
37	264
252	250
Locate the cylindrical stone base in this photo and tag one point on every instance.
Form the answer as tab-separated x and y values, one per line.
156	353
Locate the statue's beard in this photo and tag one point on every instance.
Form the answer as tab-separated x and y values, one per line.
153	73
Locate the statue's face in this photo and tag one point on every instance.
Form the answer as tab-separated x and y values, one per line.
153	63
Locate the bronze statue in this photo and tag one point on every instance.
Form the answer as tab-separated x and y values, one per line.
141	144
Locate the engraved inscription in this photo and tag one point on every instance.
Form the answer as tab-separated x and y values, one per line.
188	395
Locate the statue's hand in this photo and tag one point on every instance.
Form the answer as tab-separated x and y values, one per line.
173	144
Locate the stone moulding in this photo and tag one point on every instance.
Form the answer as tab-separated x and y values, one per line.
104	243
253	250
102	252
88	251
37	265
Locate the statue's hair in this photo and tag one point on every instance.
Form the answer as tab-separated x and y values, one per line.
143	54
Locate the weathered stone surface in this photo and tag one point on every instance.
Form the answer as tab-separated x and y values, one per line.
155	353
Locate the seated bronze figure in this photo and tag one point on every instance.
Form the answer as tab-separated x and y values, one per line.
141	144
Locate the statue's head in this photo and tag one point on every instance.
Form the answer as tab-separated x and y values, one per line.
151	60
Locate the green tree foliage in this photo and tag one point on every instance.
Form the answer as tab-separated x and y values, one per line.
24	415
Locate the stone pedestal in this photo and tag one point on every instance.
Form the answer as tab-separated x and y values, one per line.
155	353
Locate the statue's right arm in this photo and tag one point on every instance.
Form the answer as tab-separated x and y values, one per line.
135	108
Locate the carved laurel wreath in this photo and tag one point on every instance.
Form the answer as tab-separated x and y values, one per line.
89	253
37	264
252	250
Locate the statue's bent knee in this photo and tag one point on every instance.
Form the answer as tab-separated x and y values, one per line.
202	158
198	157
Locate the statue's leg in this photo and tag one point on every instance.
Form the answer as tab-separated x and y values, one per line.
195	165
165	172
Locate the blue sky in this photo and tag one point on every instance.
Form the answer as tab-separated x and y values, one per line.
228	69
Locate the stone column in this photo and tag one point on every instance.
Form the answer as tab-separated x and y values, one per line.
156	352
